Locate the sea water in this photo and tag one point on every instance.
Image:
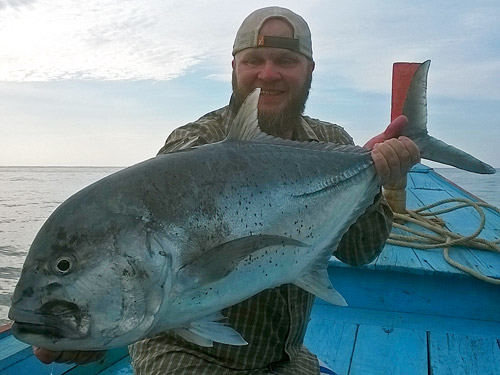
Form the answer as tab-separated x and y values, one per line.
28	195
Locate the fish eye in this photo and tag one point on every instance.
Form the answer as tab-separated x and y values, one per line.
64	265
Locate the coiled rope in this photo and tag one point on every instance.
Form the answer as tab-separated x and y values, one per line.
442	237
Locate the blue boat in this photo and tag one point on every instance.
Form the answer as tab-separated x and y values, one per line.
410	311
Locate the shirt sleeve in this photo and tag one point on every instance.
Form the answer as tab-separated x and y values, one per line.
207	129
365	239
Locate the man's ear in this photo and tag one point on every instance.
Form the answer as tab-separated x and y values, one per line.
233	63
312	65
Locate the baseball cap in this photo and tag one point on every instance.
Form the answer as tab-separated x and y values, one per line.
248	33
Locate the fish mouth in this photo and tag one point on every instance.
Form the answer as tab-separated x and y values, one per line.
22	328
54	320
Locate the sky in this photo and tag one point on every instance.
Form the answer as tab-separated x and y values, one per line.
104	82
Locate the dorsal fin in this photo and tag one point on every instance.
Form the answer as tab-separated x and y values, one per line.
245	126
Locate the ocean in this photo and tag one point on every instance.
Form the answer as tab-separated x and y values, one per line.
28	195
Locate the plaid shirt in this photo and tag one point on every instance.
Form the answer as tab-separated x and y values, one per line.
274	321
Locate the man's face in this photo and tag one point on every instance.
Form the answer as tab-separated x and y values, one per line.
284	76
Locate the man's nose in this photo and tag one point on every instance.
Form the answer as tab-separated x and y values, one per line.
269	72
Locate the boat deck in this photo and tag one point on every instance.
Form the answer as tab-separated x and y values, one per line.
409	312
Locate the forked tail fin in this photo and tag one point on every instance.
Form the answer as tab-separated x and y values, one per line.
413	77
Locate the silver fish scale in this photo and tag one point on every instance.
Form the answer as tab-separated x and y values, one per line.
247	179
261	189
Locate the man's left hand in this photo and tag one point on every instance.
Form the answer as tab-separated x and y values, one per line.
392	154
79	357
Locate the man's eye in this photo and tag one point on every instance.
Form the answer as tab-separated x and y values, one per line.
252	62
286	61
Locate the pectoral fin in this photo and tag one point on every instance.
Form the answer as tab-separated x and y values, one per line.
219	261
209	330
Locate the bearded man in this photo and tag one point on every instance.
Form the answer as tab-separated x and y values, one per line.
272	51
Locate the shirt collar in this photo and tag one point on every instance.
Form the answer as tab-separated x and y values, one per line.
304	132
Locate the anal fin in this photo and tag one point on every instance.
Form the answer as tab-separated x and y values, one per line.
209	330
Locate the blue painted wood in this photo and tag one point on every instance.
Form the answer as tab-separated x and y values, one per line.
332	341
12	351
386	350
4	331
330	314
464	221
441	294
112	357
439	183
453	354
122	367
425	187
31	365
402	259
431	260
17	358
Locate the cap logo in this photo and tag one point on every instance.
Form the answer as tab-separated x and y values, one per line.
278	42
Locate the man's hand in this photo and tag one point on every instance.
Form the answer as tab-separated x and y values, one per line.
392	154
79	357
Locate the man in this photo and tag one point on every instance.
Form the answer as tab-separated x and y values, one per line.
272	51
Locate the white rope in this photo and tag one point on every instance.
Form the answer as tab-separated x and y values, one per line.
442	237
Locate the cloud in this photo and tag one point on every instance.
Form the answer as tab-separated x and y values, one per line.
220	77
100	39
15	4
355	42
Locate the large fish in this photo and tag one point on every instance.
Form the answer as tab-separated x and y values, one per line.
170	242
167	243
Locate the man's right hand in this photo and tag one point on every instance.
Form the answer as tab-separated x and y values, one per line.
79	357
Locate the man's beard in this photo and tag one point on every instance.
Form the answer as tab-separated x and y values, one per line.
277	123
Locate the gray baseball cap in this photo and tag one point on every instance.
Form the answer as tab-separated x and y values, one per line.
248	33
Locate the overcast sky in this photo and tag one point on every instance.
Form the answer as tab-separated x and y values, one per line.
103	82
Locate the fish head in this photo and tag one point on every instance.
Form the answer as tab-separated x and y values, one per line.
87	282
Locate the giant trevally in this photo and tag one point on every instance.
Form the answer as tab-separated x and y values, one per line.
168	243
